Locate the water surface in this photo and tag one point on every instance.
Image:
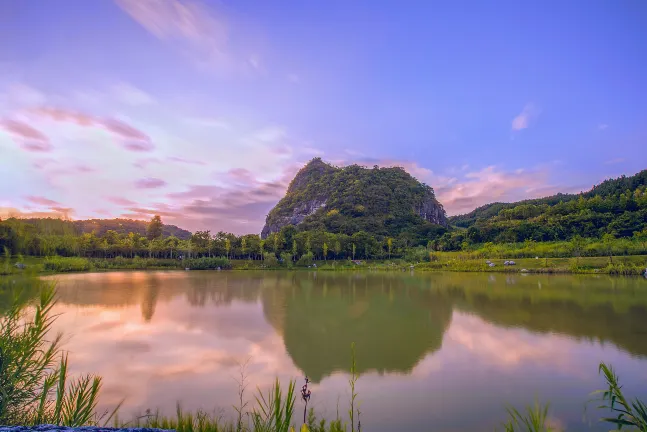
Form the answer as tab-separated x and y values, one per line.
440	351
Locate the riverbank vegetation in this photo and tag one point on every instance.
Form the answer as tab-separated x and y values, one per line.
36	387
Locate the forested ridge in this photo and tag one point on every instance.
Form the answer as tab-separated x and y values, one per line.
617	207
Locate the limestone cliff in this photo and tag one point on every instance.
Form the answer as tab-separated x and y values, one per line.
382	201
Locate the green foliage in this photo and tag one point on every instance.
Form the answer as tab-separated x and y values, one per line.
380	201
605	209
206	263
66	264
534	419
154	228
274	411
306	260
628	413
34	384
270	260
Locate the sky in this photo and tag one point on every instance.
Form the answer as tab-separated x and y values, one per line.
203	111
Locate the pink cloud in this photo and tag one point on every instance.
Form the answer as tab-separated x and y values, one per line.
186	161
29	138
42	201
149	183
121	201
64	115
527	114
132	138
491	185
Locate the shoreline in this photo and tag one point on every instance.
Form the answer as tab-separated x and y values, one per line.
619	266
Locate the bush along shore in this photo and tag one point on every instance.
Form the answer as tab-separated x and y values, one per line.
35	387
633	265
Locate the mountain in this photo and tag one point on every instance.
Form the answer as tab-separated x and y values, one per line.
100	226
382	201
616	206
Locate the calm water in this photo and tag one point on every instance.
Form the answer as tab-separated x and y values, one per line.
436	351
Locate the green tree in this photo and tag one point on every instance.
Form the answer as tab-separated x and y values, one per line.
641	236
294	249
154	229
354	248
227	246
243	245
389	245
325	251
607	243
577	245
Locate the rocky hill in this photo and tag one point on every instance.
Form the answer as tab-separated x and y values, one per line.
384	201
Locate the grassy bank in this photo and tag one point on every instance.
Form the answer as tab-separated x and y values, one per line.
36	387
439	261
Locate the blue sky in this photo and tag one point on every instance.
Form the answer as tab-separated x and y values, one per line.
203	111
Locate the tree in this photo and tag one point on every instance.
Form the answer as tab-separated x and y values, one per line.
577	244
227	246
154	229
389	245
337	248
325	250
641	236
243	245
607	242
354	248
294	249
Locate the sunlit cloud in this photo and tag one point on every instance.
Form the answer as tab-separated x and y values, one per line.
42	201
529	113
130	137
27	137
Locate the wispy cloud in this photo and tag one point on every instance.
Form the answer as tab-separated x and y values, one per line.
528	114
43	201
26	136
602	126
131	138
149	183
197	29
131	95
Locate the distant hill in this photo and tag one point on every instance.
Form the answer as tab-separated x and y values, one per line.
616	206
100	226
381	201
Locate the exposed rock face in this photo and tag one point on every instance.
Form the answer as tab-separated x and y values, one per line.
299	213
353	198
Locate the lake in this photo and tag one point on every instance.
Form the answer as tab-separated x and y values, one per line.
436	351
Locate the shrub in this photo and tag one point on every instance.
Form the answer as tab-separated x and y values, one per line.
66	264
207	263
287	259
305	260
269	259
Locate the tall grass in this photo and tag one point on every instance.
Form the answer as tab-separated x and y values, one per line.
533	419
34	384
627	413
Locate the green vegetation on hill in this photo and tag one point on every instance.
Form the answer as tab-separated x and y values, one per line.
616	207
380	201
